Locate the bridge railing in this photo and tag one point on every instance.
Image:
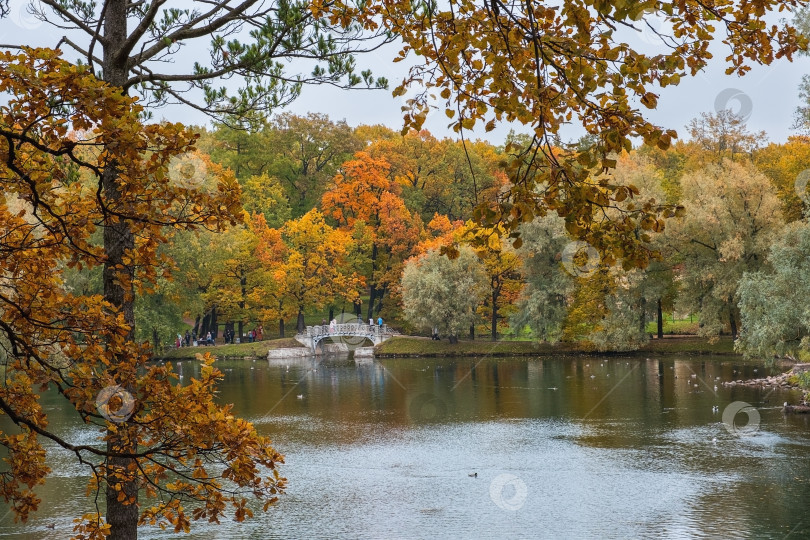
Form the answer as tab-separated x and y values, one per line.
343	329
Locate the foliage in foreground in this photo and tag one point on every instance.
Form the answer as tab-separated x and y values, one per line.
189	455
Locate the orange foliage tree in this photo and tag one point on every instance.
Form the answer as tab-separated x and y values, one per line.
190	455
365	198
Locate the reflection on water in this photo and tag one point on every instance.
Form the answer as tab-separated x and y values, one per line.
562	447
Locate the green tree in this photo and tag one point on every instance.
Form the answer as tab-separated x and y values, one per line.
443	293
543	304
733	217
307	151
774	319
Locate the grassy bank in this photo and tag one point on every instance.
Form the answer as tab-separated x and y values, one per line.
404	346
414	346
245	350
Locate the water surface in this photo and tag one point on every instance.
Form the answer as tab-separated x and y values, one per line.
569	447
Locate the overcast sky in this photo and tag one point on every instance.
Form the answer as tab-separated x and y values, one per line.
768	95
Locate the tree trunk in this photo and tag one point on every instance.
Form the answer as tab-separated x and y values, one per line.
358	308
196	329
372	288
301	327
122	516
453	338
281	327
494	321
205	325
214	323
331	313
229	326
642	323
372	293
733	321
240	327
243	285
472	331
660	321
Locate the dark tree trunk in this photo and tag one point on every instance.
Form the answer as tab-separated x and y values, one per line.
494	321
472	331
281	327
206	322
732	320
372	294
358	308
122	516
453	338
155	339
660	321
331	313
240	328
214	323
196	329
642	323
380	296
229	326
300	326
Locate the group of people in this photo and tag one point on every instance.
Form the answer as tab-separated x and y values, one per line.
229	336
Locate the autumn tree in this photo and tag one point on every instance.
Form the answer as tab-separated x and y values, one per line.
440	176
315	268
269	297
502	266
365	199
788	166
158	436
724	135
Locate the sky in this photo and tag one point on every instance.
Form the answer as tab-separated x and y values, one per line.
768	95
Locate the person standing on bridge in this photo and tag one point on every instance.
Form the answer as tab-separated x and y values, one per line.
332	326
379	322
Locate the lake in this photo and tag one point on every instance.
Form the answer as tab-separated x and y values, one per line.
568	447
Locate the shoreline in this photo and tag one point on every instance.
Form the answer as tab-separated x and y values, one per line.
421	347
417	347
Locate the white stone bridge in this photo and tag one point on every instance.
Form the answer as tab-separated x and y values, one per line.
351	334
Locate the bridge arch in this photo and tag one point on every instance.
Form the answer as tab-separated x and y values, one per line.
353	334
